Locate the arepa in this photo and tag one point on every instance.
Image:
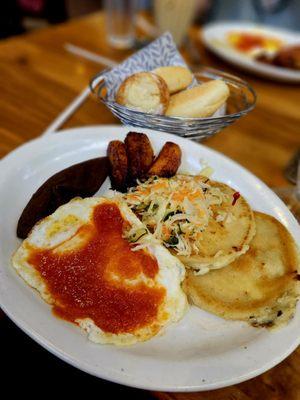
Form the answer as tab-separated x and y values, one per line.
260	287
228	234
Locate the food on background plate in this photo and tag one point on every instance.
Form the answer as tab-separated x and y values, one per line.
252	43
83	179
206	224
176	77
286	57
260	287
144	91
200	101
266	49
80	263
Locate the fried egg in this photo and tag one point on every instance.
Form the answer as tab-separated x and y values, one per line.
80	263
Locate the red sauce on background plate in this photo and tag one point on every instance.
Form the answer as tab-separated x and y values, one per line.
247	41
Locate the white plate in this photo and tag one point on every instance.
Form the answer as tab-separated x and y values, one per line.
214	37
202	351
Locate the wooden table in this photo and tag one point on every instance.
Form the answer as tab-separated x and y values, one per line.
39	79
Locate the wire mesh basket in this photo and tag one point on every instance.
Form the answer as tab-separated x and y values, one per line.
240	102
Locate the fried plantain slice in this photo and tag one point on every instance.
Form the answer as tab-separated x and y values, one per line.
167	162
140	155
118	163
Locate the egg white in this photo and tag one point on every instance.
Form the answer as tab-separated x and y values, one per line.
61	226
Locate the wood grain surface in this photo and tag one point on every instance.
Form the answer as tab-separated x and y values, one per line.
38	79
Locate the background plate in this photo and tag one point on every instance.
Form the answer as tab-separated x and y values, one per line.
202	351
213	36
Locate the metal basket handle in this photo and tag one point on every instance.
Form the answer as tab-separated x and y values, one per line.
96	81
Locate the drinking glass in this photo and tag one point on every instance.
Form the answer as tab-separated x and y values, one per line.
120	22
174	16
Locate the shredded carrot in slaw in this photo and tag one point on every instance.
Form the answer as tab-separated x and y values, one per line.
175	210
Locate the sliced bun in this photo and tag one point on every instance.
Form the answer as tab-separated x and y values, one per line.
177	78
144	91
199	101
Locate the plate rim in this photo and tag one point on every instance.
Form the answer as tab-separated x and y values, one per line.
118	377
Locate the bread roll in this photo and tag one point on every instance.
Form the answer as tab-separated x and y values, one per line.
199	101
144	91
177	78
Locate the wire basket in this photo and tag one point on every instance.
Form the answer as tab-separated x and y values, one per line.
241	100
